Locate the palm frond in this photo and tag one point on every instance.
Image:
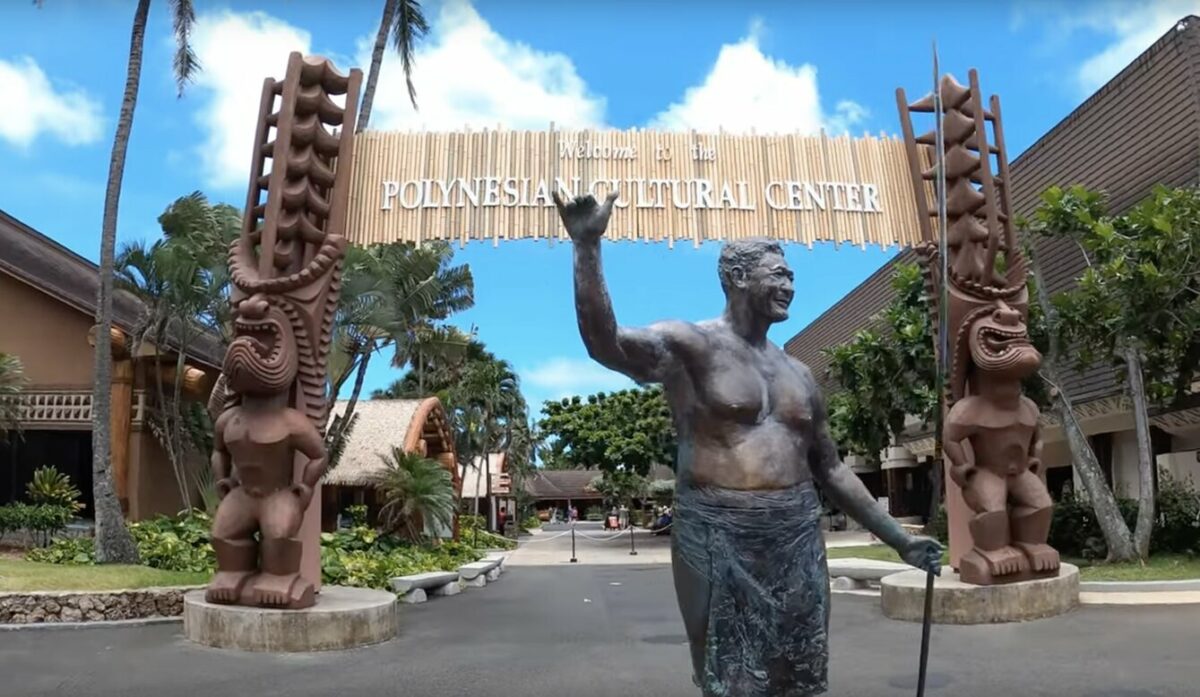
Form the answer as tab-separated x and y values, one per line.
409	27
185	64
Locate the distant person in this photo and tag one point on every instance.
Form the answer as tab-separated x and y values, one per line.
501	517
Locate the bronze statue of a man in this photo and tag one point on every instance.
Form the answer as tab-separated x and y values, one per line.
747	551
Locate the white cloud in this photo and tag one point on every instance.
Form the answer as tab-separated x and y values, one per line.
746	89
33	106
563	377
237	51
468	75
1132	28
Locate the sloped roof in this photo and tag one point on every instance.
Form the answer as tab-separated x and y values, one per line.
35	259
384	424
472	476
562	484
1140	129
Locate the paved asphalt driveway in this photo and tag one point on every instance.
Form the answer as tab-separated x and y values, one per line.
593	630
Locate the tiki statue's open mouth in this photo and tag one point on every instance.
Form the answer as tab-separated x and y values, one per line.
262	357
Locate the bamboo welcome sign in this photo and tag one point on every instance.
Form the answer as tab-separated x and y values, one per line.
673	186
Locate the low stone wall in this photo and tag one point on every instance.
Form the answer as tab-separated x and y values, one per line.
34	607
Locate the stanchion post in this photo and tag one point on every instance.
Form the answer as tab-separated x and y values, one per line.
573	559
632	545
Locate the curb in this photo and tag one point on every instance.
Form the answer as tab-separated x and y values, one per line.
1191	584
98	624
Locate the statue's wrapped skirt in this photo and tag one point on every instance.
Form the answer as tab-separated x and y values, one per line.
760	557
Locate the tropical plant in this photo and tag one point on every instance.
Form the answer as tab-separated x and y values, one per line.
12	383
183	283
49	486
113	542
414	489
630	428
1137	305
404	21
394	296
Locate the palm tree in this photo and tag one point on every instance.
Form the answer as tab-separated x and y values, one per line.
113	542
405	22
12	382
183	283
414	488
395	295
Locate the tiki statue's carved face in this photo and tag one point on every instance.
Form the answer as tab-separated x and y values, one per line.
262	358
1000	343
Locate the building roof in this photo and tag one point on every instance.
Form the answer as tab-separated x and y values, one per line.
1140	129
562	484
415	425
475	483
35	259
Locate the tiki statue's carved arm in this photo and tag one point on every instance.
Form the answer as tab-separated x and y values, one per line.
642	354
847	491
308	441
221	461
957	445
1035	449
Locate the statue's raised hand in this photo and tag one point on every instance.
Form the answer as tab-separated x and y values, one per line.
585	218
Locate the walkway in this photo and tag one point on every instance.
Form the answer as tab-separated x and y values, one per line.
613	630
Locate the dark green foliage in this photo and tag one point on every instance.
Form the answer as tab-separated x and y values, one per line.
41	521
1076	533
631	428
472	531
886	372
1141	288
414	488
938	527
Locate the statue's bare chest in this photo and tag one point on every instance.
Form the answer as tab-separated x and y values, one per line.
245	432
751	387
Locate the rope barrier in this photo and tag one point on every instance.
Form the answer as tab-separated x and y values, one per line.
541	538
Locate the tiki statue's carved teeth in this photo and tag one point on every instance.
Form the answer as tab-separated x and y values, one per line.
262	358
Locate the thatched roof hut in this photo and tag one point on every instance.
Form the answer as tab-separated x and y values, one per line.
416	425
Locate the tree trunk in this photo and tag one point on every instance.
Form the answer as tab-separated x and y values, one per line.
339	430
368	96
1117	537
1141	420
113	543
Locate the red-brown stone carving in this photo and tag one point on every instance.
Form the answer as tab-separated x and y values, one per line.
268	453
990	435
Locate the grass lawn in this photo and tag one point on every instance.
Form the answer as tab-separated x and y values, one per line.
21	575
1166	567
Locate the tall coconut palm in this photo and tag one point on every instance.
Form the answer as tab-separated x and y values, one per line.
12	382
404	21
414	488
113	542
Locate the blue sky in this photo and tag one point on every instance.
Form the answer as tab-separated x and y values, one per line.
523	63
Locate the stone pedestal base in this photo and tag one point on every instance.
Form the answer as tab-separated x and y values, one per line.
343	618
955	602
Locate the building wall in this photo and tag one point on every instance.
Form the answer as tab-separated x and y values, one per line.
48	336
153	490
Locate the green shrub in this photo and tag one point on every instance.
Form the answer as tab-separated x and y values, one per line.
532	523
361	557
178	543
42	521
472	531
593	513
938	528
1076	532
51	487
74	551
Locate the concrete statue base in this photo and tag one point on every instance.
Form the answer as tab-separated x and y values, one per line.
955	602
342	618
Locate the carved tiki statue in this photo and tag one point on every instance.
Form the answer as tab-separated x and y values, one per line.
268	453
991	440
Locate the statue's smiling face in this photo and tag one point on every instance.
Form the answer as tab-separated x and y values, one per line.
770	287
